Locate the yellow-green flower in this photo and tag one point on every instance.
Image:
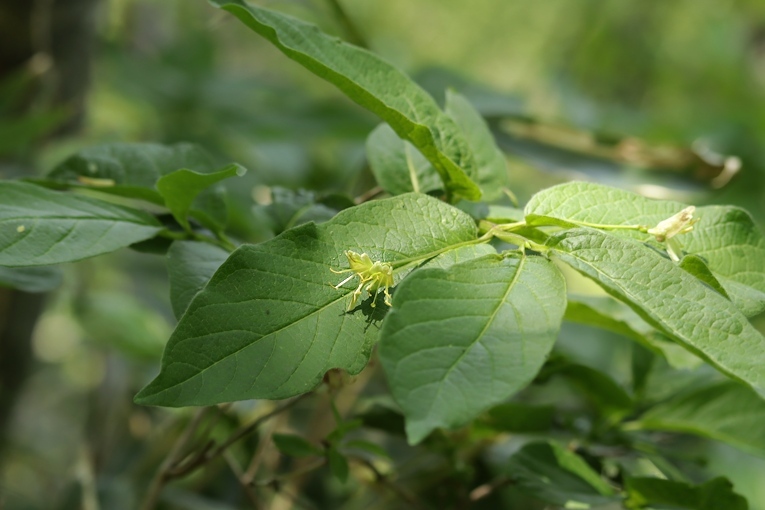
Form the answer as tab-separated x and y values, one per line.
374	275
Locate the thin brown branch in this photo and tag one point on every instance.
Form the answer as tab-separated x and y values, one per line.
485	490
240	476
210	452
368	195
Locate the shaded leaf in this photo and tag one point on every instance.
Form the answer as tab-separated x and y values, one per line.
491	175
190	265
558	476
338	465
715	494
295	446
607	313
40	227
374	84
31	279
520	417
270	322
463	339
397	165
725	411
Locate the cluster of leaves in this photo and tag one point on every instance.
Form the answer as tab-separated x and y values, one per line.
478	291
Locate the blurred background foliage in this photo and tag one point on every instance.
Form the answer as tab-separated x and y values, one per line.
565	85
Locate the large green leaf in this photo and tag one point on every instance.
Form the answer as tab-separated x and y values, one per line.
716	494
270	323
374	84
726	411
461	340
134	170
725	237
670	299
130	169
40	227
190	265
556	475
491	174
397	165
607	313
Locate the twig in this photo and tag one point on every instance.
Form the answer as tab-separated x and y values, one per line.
383	479
240	476
162	475
368	195
485	490
174	467
208	453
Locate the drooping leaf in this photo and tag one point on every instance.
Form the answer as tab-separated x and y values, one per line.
725	237
40	227
461	340
607	313
295	446
558	476
491	174
270	324
716	494
600	389
181	187
190	265
668	298
397	165
338	465
374	84
30	279
725	411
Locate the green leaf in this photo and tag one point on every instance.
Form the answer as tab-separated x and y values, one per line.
520	417
558	476
295	446
30	279
190	265
374	84
698	268
491	174
397	165
40	227
180	188
133	170
716	494
725	411
269	324
367	446
342	429
669	299
599	388
338	465
290	208
725	237
607	313
461	340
